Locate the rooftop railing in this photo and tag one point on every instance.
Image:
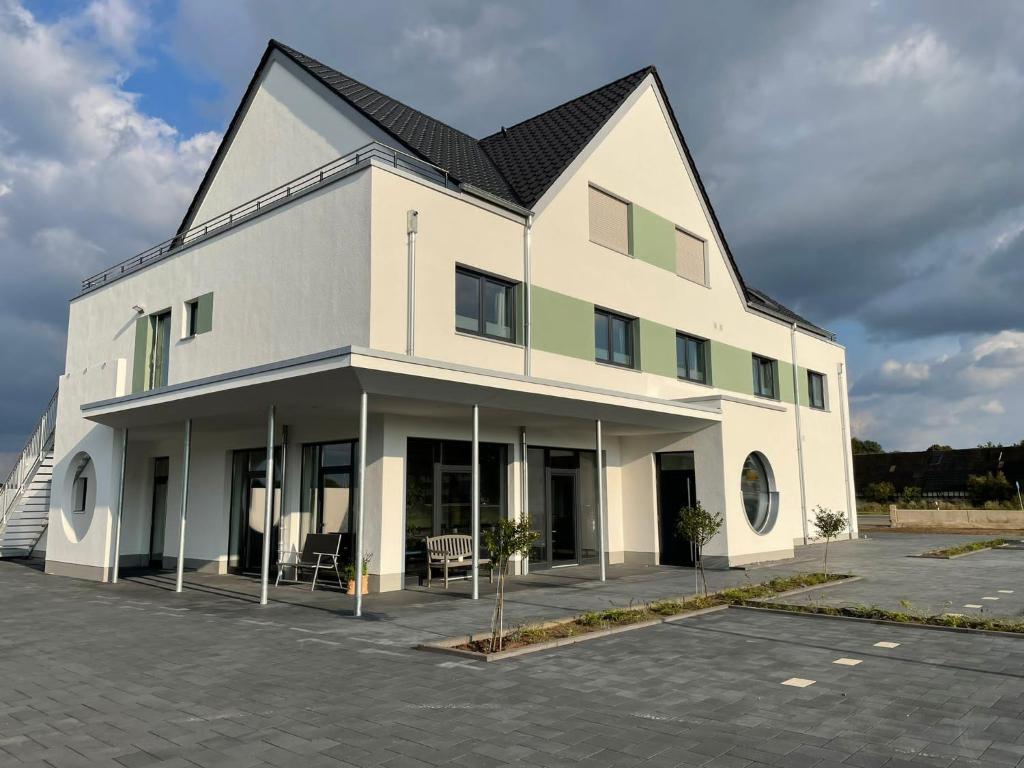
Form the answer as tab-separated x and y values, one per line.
300	185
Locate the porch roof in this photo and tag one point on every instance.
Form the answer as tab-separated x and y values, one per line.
329	383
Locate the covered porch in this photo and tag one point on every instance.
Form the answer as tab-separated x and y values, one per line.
279	426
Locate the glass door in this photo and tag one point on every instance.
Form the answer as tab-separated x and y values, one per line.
453	488
160	356
563	509
248	511
158	520
676	489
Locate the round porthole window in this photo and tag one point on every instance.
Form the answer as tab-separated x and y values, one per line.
757	486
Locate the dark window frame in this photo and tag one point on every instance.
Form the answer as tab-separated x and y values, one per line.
81	488
483	278
630	322
191	318
820	406
703	346
758	363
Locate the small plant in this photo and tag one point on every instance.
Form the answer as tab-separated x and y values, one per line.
505	540
828	524
349	571
699	526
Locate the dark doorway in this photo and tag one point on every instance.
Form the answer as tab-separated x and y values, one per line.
158	520
248	510
676	489
563	504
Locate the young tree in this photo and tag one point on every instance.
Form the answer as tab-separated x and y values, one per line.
829	525
699	526
505	540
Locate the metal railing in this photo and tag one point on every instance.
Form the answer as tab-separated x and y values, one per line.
305	183
28	461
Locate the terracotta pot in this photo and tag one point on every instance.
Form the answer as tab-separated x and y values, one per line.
352	585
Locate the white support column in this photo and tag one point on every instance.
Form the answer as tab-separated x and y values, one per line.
524	474
184	506
268	508
360	504
476	501
799	436
601	533
120	509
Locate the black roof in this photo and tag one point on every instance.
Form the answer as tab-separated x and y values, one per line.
517	164
937	472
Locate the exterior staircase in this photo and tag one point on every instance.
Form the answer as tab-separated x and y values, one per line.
25	496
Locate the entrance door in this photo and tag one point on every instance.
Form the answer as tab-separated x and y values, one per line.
158	521
676	489
453	499
563	505
249	498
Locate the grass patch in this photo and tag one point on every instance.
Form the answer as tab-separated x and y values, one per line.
904	617
594	621
963	549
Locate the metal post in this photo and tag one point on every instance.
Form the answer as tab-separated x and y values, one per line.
120	509
602	543
184	506
268	507
524	471
360	503
476	501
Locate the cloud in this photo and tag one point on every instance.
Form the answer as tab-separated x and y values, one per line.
87	178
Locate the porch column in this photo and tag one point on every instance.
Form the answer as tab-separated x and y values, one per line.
360	503
524	474
602	544
184	506
268	508
120	508
476	501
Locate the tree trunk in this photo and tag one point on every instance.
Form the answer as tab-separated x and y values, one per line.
825	565
703	578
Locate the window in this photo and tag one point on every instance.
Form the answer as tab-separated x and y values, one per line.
191	318
613	338
691	261
691	360
81	493
765	384
328	485
609	221
484	305
816	390
758	497
160	349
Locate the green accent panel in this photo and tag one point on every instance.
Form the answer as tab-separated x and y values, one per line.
657	348
520	313
785	381
561	324
140	363
652	238
731	368
204	315
805	392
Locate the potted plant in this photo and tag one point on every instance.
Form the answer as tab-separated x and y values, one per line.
349	573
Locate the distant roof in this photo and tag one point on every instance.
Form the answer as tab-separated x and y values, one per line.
937	472
517	164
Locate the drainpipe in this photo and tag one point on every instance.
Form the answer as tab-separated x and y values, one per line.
851	503
799	433
527	336
412	226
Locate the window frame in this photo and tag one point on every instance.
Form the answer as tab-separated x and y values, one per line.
629	213
609	316
703	343
158	375
810	391
191	318
757	364
483	278
80	492
706	281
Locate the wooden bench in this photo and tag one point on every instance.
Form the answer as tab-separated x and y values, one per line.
320	552
452	551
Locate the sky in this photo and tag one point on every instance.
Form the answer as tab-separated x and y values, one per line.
864	158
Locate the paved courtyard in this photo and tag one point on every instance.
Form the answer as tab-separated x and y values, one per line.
134	675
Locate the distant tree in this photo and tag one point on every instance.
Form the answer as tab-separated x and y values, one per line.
940	447
881	493
910	493
865	446
990	444
829	525
989	487
699	526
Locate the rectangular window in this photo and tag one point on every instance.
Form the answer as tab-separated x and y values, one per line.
765	377
160	349
81	494
609	221
691	358
691	259
484	305
816	390
191	318
613	338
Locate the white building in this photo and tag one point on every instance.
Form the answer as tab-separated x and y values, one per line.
563	278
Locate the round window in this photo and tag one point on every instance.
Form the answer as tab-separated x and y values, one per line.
755	484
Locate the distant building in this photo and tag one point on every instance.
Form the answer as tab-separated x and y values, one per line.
939	474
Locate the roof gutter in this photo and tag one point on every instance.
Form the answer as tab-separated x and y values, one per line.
492	198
